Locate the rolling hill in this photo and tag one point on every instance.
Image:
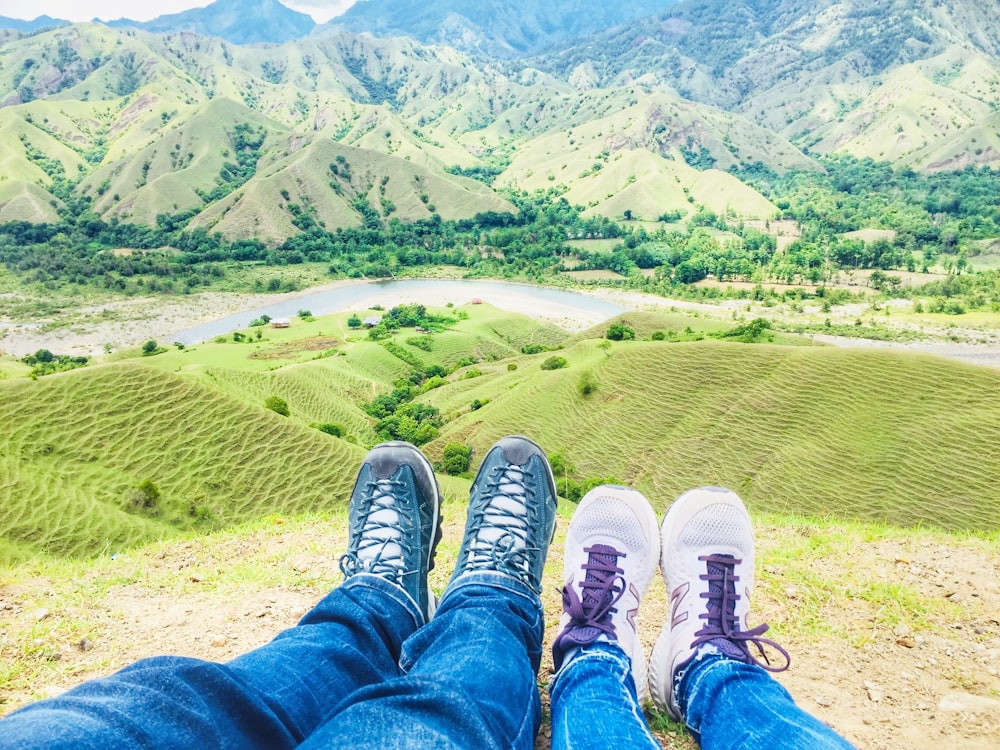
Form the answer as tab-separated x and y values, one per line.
906	82
874	435
142	124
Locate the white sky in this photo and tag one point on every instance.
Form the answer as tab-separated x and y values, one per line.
110	10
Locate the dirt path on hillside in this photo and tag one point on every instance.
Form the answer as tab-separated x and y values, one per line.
895	642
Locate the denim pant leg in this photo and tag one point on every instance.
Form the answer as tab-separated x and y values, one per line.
270	698
594	703
729	704
469	682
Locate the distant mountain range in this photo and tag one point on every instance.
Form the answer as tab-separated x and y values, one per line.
503	28
236	21
42	22
623	110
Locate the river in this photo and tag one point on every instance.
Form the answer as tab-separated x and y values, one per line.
567	309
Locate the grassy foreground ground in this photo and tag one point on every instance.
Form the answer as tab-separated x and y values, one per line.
894	634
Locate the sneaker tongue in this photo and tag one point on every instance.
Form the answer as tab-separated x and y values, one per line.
506	506
729	648
580	635
717	572
604	556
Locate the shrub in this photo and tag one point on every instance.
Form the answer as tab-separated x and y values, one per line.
554	363
278	405
330	429
658	335
150	348
532	349
750	332
587	383
420	342
146	496
511	366
456	458
478	404
354	321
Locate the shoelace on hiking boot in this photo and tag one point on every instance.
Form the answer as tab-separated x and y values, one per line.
372	552
506	509
590	615
722	626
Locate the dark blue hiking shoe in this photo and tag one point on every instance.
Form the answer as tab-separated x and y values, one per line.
395	521
512	513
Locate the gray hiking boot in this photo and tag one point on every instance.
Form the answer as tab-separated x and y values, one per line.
395	521
512	513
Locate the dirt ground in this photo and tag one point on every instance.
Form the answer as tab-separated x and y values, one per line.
899	686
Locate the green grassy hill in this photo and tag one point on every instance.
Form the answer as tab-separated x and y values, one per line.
77	449
143	124
873	435
113	455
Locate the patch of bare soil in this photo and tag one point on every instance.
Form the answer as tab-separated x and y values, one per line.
289	349
884	679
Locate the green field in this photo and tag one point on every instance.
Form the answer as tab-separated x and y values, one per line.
113	455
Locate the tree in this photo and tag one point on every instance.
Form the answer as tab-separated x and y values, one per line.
455	458
278	405
620	332
149	348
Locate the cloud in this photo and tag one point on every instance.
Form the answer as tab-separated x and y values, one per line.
110	10
321	10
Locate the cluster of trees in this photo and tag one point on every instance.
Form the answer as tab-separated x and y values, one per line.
934	220
44	362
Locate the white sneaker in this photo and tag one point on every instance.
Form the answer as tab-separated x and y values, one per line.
611	554
707	560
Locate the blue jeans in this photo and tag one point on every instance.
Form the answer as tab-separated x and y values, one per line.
361	670
594	703
358	671
727	705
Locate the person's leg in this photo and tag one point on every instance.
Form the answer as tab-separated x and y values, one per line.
470	674
728	703
702	669
275	696
611	554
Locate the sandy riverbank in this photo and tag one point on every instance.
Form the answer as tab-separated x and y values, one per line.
130	322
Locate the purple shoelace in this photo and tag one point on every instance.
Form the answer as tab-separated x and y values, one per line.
590	614
722	626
